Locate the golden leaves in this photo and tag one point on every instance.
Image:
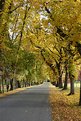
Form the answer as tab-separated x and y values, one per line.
63	107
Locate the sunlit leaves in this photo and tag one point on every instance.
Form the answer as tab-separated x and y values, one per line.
28	23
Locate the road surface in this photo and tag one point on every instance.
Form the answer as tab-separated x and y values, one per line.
29	105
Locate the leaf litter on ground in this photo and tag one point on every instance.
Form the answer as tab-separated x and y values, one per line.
64	108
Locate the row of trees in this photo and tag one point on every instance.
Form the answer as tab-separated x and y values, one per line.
36	36
18	63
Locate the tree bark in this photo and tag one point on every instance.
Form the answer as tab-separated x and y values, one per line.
60	80
71	85
71	75
7	87
11	84
2	84
0	89
60	83
78	45
66	77
18	84
80	95
2	2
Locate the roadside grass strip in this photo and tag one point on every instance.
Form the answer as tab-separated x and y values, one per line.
13	92
64	108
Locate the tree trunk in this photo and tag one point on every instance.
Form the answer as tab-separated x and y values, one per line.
2	84
79	50
25	83
18	84
7	87
2	2
30	83
11	84
80	94
65	83
0	88
66	78
71	68
71	86
60	79
60	82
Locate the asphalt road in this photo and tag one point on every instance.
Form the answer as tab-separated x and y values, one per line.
29	105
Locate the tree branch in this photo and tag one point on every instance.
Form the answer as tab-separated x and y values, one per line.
11	11
59	30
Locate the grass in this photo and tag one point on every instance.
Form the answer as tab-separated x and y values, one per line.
65	108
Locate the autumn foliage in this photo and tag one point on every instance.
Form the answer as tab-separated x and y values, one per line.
64	108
